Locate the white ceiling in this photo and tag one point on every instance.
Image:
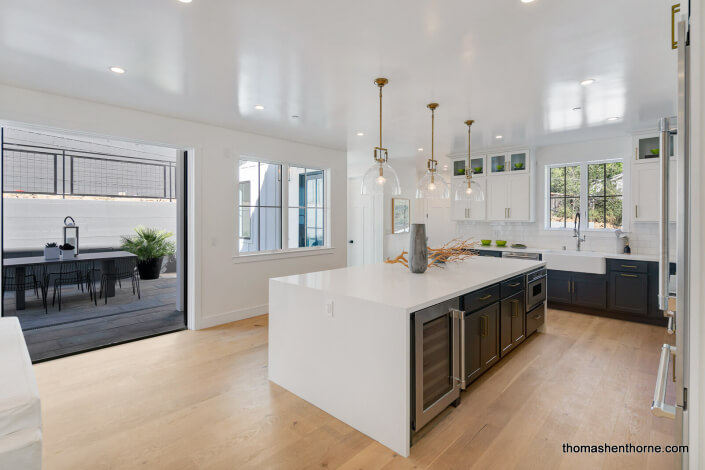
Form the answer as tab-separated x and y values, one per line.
513	67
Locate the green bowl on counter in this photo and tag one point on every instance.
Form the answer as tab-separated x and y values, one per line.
486	242
501	243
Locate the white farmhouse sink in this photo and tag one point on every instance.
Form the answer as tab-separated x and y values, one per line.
577	261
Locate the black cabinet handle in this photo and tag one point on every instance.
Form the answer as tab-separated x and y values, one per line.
351	241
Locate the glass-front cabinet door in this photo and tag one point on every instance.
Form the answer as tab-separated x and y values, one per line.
498	163
518	161
647	148
459	167
477	165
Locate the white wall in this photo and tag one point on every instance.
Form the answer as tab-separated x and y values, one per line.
224	290
30	223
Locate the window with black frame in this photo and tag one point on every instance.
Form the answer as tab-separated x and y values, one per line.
307	207
260	206
564	196
605	187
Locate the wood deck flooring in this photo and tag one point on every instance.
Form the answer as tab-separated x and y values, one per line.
201	400
81	325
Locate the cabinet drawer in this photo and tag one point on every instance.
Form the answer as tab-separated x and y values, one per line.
626	265
512	286
480	298
534	319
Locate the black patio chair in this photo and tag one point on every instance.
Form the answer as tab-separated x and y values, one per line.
124	269
34	277
71	273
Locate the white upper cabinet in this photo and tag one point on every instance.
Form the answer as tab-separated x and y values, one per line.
469	210
507	182
509	198
646	204
646	147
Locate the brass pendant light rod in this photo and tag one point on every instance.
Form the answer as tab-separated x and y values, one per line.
468	171
432	164
382	156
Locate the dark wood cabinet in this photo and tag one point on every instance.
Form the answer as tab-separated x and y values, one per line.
628	292
559	287
589	290
512	322
481	341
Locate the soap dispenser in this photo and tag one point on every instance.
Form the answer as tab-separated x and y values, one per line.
627	249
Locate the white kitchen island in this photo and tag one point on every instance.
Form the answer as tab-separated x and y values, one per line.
341	339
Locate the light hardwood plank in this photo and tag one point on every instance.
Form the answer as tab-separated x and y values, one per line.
201	400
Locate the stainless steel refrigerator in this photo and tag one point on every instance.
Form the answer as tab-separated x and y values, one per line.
674	288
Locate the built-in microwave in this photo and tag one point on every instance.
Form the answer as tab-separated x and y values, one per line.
535	288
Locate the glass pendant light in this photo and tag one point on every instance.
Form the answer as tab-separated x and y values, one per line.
380	176
468	190
432	185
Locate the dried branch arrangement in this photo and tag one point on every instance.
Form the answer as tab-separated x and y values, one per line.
451	252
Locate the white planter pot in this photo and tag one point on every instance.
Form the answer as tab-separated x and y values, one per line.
51	253
68	254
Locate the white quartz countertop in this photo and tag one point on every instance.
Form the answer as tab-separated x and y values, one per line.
602	254
394	285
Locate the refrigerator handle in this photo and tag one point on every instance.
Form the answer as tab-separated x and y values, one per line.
664	155
658	406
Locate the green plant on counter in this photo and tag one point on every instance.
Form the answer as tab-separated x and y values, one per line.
149	243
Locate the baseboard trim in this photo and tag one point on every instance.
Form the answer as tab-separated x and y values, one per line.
235	315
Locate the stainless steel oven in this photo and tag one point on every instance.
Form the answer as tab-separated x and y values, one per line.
535	288
436	356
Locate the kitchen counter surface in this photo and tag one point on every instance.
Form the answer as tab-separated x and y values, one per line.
394	285
603	254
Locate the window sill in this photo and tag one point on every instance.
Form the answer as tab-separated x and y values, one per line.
275	255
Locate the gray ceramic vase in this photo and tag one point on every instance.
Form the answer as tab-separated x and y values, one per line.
418	250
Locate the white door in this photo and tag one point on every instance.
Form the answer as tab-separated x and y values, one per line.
519	198
356	224
497	196
645	192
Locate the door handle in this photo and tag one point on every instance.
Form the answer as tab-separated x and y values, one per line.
485	325
461	325
658	407
636	211
351	242
515	308
458	318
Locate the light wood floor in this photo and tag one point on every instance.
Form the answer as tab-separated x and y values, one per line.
201	400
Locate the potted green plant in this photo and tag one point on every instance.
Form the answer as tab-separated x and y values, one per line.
150	245
51	251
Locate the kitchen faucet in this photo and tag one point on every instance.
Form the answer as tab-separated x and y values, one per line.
576	230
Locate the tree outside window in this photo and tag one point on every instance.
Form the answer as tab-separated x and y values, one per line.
605	186
564	195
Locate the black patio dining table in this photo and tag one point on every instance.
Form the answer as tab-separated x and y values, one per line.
106	258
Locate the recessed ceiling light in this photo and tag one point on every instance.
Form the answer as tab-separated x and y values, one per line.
613	118
259	107
119	70
420	149
526	1
185	1
588	81
577	108
499	137
360	134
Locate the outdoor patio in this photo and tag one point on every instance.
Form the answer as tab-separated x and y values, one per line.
81	325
